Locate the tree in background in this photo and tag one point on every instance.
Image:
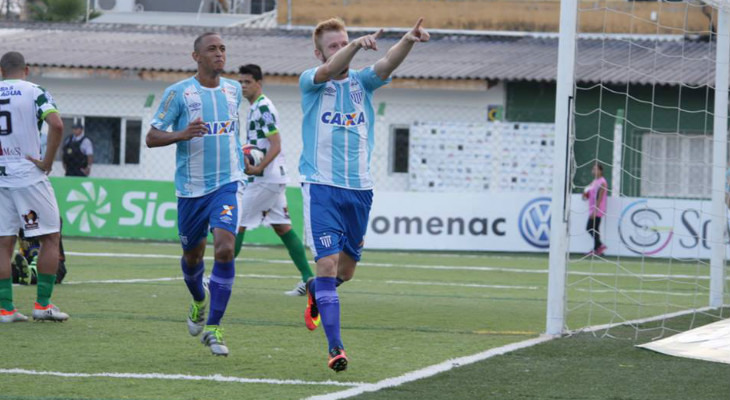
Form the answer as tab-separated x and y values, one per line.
57	10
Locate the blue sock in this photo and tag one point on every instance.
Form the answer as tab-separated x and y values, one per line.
221	282
328	305
340	281
311	288
194	279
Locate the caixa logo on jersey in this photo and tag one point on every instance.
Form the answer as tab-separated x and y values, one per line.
534	222
343	119
221	127
642	229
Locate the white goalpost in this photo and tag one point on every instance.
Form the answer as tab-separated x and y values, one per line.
642	94
719	224
563	126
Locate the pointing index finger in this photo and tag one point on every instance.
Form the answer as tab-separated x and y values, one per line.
378	33
418	24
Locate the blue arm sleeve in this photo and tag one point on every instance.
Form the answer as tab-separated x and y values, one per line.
306	81
168	111
370	80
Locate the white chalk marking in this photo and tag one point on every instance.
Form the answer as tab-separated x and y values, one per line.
474	285
431	370
175	377
411	266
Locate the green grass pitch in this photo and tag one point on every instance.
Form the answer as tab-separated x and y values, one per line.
403	312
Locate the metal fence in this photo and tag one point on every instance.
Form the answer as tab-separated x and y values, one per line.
118	122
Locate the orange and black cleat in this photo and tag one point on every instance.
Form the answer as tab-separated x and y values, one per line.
311	314
338	360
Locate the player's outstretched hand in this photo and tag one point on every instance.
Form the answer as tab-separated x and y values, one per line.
45	167
194	129
417	33
369	42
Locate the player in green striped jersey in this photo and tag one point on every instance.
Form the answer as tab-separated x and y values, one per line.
264	200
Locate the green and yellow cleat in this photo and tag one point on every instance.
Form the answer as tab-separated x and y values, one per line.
196	315
311	314
213	338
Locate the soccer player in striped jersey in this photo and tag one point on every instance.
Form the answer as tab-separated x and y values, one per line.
264	200
27	199
337	136
203	113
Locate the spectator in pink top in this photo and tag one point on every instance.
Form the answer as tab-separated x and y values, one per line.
596	193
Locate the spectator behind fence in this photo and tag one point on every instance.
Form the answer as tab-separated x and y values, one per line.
78	153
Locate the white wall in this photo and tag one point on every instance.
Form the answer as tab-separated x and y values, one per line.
126	98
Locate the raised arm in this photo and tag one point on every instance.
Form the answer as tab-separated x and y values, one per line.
396	54
341	60
158	138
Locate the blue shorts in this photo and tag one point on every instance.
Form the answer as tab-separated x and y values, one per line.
218	209
335	219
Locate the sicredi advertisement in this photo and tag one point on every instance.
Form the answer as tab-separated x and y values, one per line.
514	222
136	209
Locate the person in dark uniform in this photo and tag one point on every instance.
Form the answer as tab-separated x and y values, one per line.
78	152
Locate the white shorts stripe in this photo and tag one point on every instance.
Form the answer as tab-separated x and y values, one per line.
239	202
308	237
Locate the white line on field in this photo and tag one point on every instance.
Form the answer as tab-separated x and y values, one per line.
134	280
458	362
259	276
410	266
476	285
390	282
664	293
124	255
124	281
431	370
523	271
176	377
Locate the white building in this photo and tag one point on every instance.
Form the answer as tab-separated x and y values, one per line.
112	78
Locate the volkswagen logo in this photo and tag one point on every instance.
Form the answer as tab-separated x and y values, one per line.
535	222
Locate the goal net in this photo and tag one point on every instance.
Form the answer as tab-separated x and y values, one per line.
642	115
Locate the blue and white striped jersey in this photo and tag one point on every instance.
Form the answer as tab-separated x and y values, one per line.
206	163
337	129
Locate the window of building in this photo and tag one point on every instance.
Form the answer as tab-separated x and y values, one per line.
676	165
399	137
116	141
133	143
105	133
262	6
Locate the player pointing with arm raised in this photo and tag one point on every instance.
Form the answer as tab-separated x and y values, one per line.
203	113
337	136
